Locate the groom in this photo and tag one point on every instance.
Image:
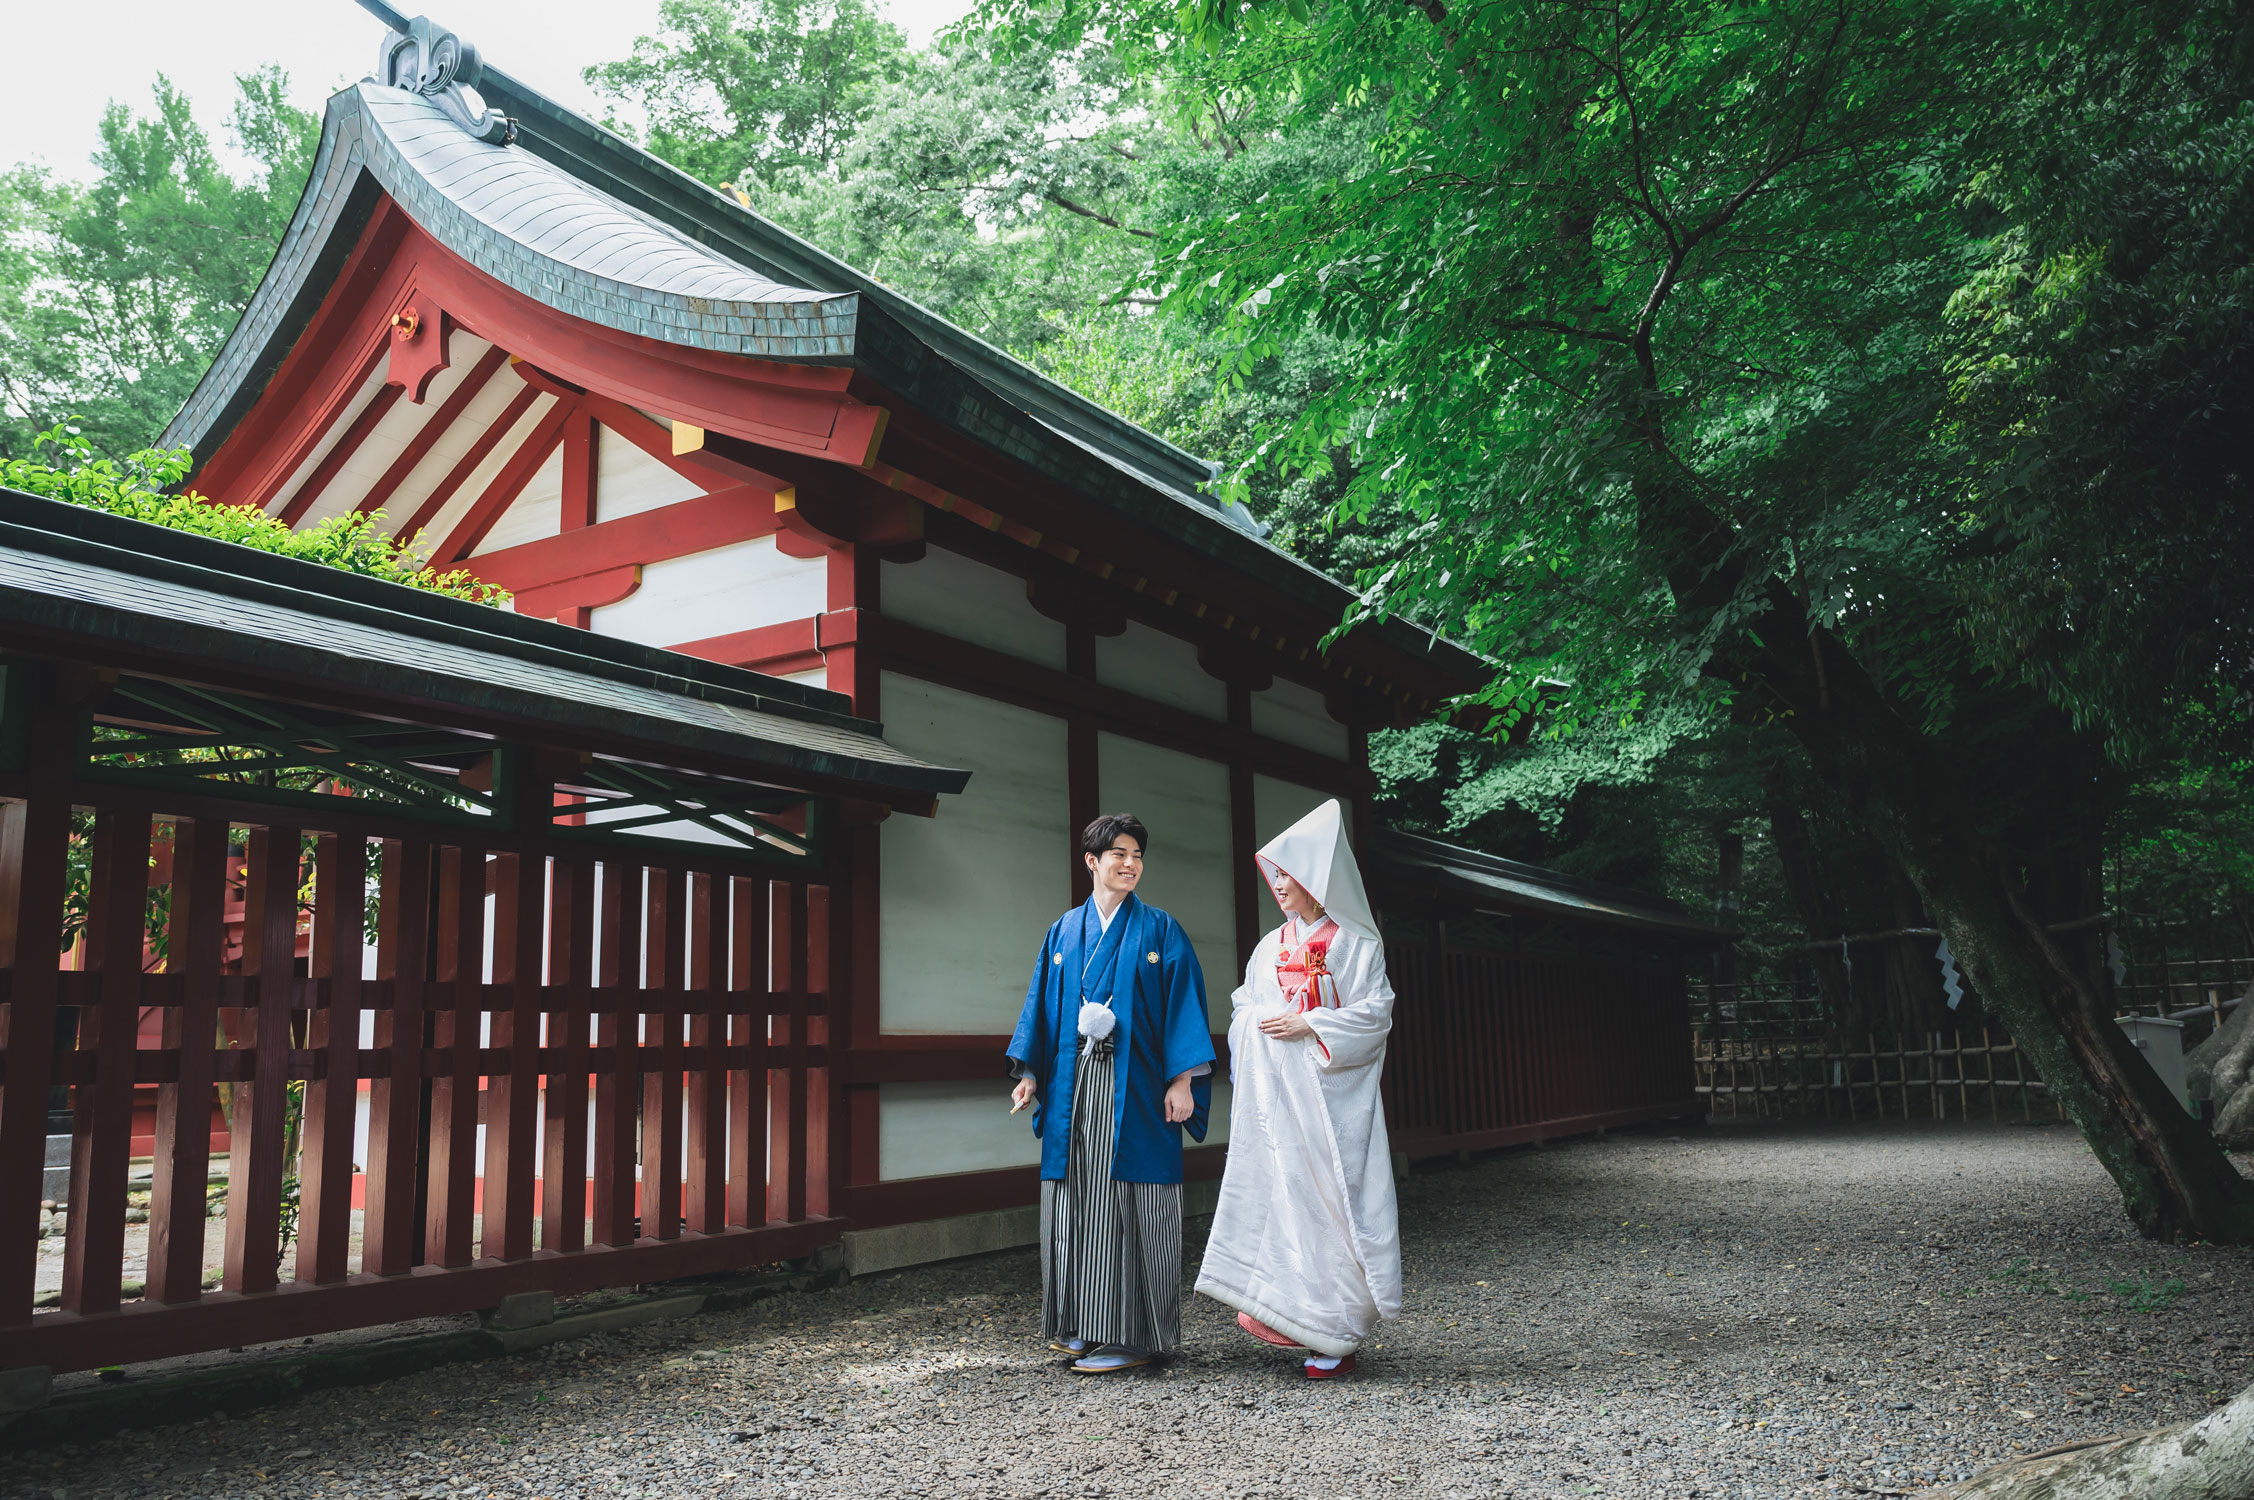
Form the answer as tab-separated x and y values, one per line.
1113	1054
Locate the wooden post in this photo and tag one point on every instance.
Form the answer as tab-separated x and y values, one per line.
395	1096
706	1148
618	1089
34	857
458	1032
182	1169
662	1030
256	1166
102	1116
747	1030
340	872
563	1171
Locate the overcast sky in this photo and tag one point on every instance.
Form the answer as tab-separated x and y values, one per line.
72	59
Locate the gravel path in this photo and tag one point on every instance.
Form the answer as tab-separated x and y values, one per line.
1733	1311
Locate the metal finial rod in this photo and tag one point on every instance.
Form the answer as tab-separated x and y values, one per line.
385	14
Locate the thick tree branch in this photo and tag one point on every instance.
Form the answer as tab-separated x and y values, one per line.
1070	207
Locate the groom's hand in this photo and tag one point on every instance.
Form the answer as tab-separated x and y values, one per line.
1022	1095
1180	1105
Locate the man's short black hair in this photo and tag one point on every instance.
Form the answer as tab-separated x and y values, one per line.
1101	834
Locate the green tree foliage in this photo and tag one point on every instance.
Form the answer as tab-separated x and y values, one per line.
737	90
115	296
1770	367
64	466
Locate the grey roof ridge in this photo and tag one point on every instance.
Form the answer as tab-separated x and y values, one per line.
149	550
603	151
1395	842
1007	369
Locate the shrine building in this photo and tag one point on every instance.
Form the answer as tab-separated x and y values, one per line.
649	413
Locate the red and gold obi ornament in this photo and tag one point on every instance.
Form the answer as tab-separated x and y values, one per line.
1303	973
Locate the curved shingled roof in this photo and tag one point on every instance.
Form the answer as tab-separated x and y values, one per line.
588	223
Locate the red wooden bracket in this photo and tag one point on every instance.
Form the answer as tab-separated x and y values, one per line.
588	591
419	333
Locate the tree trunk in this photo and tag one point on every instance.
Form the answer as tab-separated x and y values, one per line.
2175	1180
1811	897
2210	1459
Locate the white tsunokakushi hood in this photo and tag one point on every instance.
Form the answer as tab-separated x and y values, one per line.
1314	852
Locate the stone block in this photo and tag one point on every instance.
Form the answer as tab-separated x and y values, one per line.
521	1310
26	1389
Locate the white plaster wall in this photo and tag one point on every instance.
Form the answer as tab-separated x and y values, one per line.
741	586
929	1129
949	593
1296	715
1185	803
369	388
1276	805
925	1129
968	894
392	435
629	481
501	391
536	513
1152	664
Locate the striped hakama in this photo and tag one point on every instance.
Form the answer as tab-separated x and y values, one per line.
1111	1252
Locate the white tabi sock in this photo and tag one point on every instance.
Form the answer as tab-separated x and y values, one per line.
1325	1361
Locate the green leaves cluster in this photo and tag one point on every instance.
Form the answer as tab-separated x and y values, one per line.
64	466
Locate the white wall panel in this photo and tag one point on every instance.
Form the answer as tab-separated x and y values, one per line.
369	389
488	469
924	1129
741	586
535	514
927	1129
968	894
1152	664
374	457
1276	805
628	481
1296	715
1185	803
484	409
953	595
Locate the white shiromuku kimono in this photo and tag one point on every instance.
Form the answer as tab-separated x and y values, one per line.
1306	1238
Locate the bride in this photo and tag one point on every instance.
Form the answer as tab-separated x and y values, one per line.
1305	1241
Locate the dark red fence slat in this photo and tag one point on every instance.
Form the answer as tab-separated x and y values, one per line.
102	1116
340	869
455	1022
256	1164
395	1100
195	932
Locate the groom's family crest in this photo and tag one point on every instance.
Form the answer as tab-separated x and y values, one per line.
1113	1055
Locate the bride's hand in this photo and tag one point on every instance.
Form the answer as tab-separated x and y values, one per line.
1288	1027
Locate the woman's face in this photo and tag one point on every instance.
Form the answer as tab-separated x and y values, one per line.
1292	896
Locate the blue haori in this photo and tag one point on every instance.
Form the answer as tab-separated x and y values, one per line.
1144	968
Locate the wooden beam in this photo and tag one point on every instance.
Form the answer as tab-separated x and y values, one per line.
340	348
676	530
339	454
434	427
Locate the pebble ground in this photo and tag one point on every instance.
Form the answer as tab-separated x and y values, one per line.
1740	1310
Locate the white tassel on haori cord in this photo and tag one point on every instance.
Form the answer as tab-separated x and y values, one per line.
1096	1020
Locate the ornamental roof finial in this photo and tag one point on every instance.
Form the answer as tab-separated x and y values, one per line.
425	58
